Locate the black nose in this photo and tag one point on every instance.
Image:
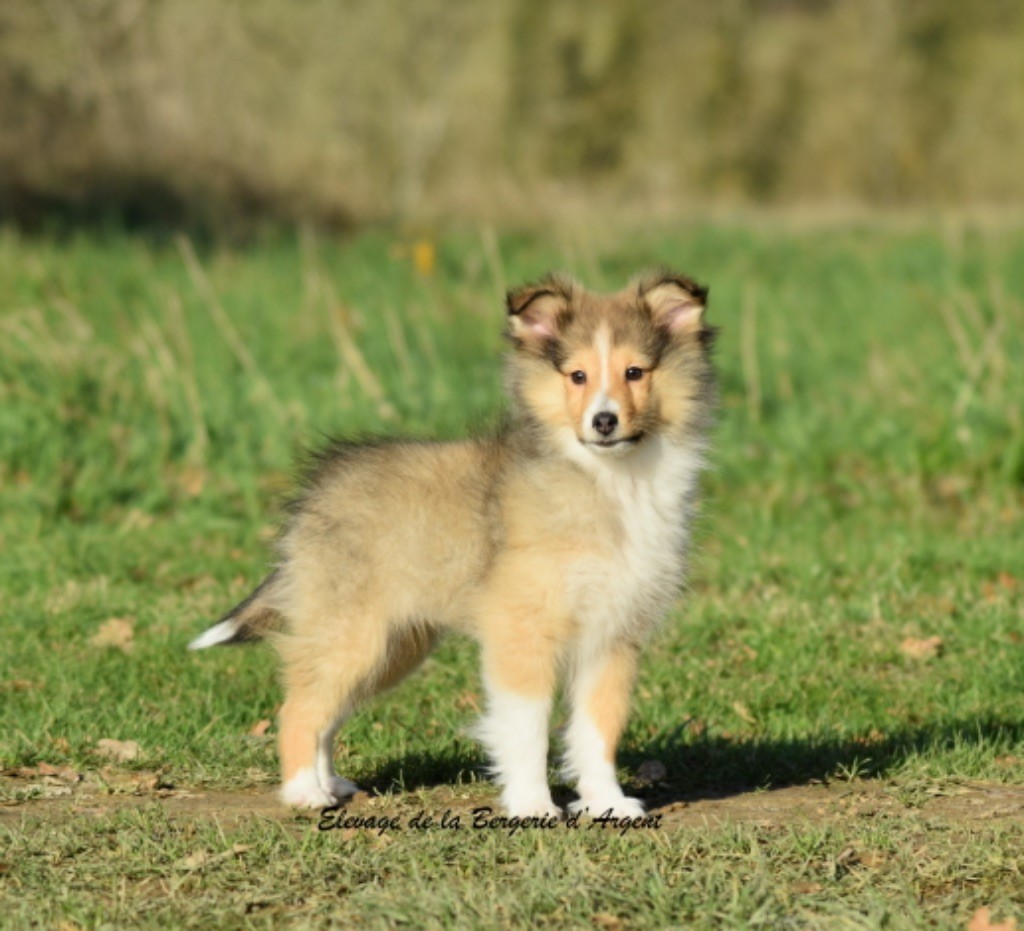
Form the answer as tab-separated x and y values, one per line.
605	423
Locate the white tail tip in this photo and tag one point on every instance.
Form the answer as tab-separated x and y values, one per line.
219	633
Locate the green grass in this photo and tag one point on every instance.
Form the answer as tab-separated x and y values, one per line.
867	487
93	871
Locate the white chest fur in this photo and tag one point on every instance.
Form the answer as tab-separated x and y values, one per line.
630	580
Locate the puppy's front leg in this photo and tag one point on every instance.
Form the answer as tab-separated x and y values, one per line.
600	695
520	683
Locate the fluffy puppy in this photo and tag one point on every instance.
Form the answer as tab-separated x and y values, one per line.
558	544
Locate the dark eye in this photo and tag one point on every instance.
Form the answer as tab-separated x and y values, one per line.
634	374
578	377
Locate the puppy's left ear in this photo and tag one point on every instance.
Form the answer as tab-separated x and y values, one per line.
677	303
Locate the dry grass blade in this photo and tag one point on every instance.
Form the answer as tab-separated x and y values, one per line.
748	351
187	378
338	316
399	345
223	323
317	288
492	256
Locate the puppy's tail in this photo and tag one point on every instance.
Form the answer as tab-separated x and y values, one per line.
253	619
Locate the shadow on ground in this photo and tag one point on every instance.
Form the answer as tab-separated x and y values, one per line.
717	766
705	780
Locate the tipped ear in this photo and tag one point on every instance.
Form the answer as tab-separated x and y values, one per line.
676	303
537	312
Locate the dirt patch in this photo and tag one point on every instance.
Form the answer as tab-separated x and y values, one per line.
946	801
950	802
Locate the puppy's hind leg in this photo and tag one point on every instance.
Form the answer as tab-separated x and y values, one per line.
308	721
336	786
324	686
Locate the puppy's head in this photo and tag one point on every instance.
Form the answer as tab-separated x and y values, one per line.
608	371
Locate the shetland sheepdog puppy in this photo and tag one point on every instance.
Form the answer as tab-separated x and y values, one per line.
558	544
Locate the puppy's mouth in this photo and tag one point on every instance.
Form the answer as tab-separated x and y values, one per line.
623	441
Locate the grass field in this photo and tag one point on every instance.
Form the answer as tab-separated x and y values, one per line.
855	619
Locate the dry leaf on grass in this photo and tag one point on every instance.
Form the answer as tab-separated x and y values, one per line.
201	858
118	632
47	772
147	782
871	738
926	648
120	750
65	773
994	590
468	701
191	480
743	712
193	861
260	728
982	921
872	859
47	780
116	781
697	727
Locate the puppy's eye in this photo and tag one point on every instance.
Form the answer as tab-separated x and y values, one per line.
578	377
634	374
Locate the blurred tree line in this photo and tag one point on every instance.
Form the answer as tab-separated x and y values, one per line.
228	112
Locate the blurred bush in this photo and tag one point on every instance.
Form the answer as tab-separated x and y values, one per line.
232	112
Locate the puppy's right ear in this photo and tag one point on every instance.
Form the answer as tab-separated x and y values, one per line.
537	313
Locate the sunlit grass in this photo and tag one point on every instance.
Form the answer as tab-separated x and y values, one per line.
867	489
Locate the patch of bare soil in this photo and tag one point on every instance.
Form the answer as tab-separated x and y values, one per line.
31	796
963	801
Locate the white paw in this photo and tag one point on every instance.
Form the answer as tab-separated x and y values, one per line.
303	790
540	810
534	806
619	806
306	797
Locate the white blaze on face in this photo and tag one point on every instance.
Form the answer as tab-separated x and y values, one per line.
601	402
